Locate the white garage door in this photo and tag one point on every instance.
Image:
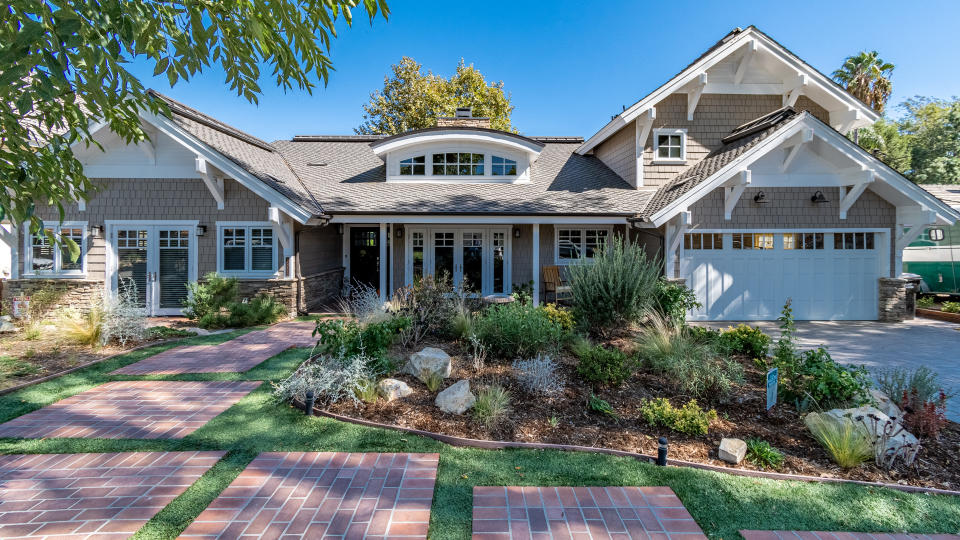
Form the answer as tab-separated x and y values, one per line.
749	275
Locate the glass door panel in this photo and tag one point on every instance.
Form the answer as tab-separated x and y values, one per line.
499	245
444	253
471	267
417	255
173	268
132	253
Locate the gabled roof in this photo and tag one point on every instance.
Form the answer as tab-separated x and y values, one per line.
753	140
727	47
948	193
255	156
349	178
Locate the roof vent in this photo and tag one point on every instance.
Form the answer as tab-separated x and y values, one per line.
464	112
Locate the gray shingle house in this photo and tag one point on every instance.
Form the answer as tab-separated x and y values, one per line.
736	172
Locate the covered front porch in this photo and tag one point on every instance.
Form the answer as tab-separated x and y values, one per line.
488	255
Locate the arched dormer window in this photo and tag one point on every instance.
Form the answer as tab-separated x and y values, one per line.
415	166
503	166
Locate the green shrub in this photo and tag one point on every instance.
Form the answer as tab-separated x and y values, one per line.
925	301
747	340
761	454
209	296
518	330
431	379
674	299
346	339
689	360
950	307
523	292
601	406
261	309
165	332
599	365
492	406
84	329
618	288
561	316
690	419
812	375
366	391
847	442
922	381
430	305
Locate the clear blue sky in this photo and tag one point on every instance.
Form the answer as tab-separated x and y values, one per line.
570	65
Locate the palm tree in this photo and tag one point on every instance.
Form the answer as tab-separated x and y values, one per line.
867	77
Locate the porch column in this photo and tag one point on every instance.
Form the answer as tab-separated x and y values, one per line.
383	262
536	264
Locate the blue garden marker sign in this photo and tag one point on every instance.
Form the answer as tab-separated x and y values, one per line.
772	388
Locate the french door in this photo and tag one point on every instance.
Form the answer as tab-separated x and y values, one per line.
154	264
476	259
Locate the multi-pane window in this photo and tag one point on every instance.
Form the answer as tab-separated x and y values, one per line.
577	244
752	240
803	241
416	241
413	166
458	164
247	249
669	144
503	166
61	257
703	241
850	240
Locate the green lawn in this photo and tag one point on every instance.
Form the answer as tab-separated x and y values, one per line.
722	504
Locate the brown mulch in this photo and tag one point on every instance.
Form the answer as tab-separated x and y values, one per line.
744	417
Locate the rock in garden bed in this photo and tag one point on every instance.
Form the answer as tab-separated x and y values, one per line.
563	418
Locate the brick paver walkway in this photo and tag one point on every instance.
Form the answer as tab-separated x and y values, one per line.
92	495
618	513
132	410
324	495
821	535
234	356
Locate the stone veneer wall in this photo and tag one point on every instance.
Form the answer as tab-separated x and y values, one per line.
450	121
893	300
78	294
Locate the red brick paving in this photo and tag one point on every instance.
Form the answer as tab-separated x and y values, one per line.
234	356
92	495
132	410
324	495
826	535
580	513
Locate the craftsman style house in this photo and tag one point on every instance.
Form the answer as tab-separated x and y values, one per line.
736	172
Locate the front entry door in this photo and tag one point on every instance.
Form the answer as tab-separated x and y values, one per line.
365	256
154	263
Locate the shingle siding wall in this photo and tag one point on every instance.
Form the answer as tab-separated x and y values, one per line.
160	199
791	207
320	249
715	117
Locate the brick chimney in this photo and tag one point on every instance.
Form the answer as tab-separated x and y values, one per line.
463	118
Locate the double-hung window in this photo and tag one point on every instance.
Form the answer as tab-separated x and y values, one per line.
247	249
61	257
575	245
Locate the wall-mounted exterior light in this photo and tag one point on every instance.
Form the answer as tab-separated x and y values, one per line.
818	198
760	198
399	232
96	230
516	232
201	230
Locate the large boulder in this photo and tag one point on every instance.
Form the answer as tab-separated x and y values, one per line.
456	399
6	324
392	389
883	429
430	360
886	405
732	450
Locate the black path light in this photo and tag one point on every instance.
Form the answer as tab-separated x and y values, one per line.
310	398
662	449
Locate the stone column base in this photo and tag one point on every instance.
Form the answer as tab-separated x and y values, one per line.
893	300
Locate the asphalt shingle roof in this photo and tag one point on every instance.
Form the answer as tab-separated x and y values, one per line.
738	142
948	193
347	177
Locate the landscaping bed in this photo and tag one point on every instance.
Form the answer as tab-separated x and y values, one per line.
938	464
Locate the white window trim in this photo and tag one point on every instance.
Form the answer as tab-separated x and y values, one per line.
248	250
29	272
521	177
656	146
583	236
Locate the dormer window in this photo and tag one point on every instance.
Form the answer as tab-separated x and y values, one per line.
669	145
503	166
458	164
413	166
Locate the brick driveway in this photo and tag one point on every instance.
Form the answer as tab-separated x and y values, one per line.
92	495
132	410
580	513
324	494
234	356
820	535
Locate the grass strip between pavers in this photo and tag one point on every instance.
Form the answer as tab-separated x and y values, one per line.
722	504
